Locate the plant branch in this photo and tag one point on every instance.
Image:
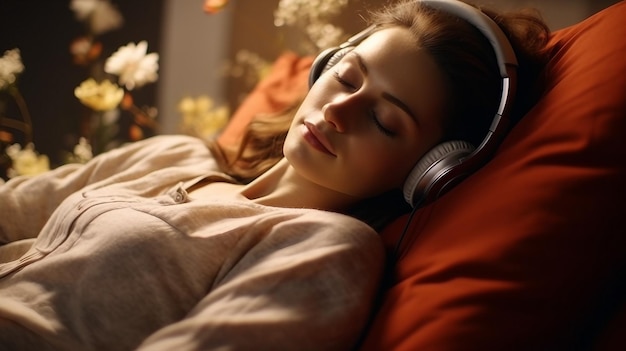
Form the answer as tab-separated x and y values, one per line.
28	124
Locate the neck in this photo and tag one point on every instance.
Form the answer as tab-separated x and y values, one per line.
281	186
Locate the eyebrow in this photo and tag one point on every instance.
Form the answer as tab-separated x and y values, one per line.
394	100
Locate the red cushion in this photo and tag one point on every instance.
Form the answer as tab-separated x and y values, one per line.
530	251
285	85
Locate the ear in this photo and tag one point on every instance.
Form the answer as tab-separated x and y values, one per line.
435	171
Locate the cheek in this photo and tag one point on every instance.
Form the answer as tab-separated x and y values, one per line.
318	93
311	105
385	169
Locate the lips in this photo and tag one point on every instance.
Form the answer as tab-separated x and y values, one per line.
317	139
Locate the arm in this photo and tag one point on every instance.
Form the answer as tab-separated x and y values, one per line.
26	203
307	286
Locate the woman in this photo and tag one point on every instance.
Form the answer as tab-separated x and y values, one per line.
153	246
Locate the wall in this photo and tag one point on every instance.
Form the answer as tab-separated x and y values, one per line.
195	45
194	52
557	13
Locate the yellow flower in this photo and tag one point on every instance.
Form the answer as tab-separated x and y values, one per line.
102	96
26	161
201	117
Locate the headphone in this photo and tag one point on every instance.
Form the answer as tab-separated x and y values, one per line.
449	162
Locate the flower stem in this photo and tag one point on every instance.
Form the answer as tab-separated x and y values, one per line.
28	123
141	117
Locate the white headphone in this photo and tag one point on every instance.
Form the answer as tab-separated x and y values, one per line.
447	163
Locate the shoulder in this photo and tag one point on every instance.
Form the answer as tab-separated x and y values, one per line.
319	245
337	221
333	229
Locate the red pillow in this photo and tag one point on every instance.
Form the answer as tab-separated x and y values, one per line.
529	253
284	86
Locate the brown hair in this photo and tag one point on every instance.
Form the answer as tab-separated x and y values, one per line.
261	146
469	62
473	83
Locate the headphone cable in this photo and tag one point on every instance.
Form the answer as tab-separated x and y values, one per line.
396	250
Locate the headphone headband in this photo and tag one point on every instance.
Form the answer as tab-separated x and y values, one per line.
501	46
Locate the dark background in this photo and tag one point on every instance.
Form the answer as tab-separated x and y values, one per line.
43	31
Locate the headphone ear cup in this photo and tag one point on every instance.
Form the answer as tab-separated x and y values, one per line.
432	171
325	61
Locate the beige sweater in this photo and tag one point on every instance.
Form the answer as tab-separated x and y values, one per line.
124	259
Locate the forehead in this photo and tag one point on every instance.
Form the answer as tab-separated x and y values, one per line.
396	62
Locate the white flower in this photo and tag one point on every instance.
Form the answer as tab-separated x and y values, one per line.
82	151
100	15
292	12
133	66
10	67
26	161
311	17
324	35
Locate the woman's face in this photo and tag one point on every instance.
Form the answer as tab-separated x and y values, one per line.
367	120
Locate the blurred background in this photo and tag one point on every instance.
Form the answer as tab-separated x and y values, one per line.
218	52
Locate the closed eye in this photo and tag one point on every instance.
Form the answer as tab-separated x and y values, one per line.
380	126
372	114
343	81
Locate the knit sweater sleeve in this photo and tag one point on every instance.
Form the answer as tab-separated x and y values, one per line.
310	285
26	202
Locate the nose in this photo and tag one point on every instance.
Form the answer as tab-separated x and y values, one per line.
341	111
